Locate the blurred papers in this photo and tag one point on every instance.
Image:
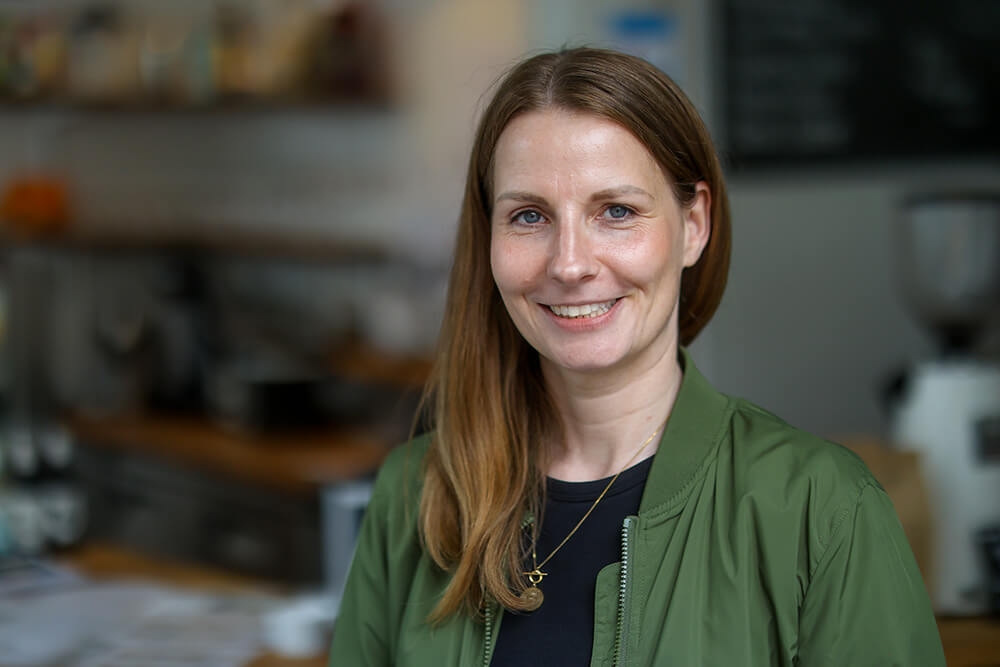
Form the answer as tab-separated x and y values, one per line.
129	624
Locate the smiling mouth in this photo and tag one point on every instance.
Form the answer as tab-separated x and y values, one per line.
586	310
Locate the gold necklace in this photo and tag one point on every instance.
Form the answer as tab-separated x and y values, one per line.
532	595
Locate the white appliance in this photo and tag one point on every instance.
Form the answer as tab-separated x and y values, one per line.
949	410
950	415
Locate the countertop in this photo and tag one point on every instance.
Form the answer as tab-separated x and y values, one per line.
968	642
110	562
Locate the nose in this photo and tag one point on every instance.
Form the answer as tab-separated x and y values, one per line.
572	259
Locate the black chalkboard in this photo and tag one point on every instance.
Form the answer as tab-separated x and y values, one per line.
825	81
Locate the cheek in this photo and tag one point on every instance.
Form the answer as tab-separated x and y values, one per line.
512	264
503	264
649	259
499	264
511	280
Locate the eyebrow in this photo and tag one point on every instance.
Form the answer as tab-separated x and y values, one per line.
610	193
522	195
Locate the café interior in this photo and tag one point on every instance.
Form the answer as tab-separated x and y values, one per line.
225	239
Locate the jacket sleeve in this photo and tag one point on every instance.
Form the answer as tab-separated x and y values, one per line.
360	635
866	604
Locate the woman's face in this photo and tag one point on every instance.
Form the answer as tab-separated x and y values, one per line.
588	241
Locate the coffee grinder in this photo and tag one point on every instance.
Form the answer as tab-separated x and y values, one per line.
948	409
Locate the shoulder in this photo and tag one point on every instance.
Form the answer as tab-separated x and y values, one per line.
791	476
400	476
403	464
389	532
771	448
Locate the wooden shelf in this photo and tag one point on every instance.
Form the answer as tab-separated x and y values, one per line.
318	104
360	361
100	560
201	239
971	642
295	462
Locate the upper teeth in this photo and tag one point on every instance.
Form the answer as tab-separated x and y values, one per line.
586	310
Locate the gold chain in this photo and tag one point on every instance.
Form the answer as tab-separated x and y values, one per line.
535	576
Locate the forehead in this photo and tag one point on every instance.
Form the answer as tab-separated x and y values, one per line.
559	144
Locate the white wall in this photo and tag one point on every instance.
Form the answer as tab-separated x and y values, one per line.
812	323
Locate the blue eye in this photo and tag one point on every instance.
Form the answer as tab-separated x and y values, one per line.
528	217
618	212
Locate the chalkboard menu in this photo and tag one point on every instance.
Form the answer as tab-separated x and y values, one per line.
825	81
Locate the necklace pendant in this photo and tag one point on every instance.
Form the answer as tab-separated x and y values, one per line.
535	576
532	597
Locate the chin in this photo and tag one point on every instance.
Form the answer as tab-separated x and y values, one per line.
588	363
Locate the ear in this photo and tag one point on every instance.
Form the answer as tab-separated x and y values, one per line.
697	223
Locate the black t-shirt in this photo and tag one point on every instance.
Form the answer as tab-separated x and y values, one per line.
561	631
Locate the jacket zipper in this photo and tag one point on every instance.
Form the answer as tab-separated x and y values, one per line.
488	634
624	593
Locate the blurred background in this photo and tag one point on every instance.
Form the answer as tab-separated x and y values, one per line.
225	232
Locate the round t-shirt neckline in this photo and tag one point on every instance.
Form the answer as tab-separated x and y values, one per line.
563	491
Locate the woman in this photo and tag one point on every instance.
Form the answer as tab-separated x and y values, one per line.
585	496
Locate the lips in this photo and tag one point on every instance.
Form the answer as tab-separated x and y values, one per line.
582	311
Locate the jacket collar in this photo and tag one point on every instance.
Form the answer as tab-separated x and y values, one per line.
691	433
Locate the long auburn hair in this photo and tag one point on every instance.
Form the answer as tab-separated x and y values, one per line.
486	399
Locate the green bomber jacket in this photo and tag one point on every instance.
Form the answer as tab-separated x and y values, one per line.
755	544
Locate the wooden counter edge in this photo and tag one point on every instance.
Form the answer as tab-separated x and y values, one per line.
293	462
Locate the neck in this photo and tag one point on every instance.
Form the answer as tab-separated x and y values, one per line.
608	416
